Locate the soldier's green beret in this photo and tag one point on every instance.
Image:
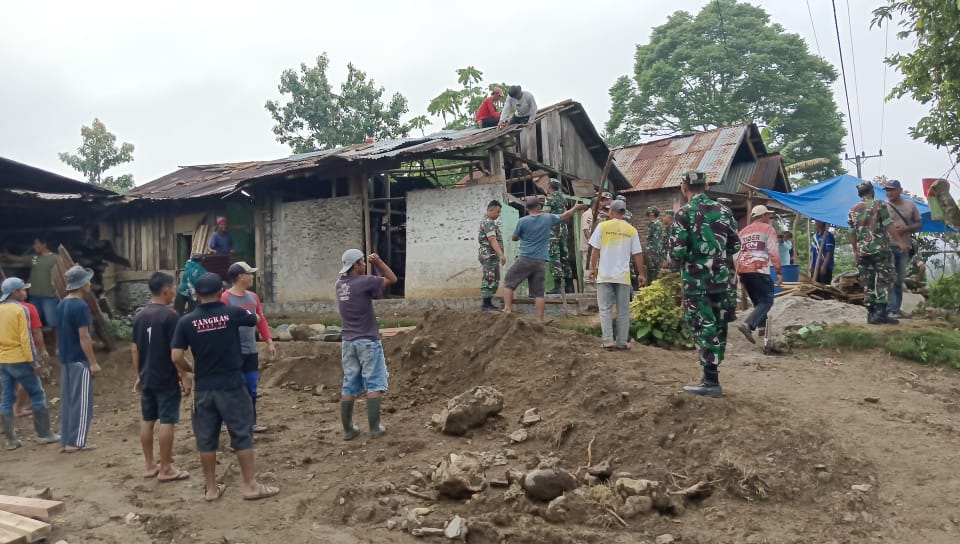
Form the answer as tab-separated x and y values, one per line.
694	177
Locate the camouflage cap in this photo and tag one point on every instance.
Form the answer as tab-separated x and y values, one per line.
864	187
606	195
555	183
653	209
694	177
668	212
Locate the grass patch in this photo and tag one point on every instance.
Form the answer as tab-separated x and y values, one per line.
588	325
935	345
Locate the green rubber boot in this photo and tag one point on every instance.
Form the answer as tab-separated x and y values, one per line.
346	418
10	433
373	417
41	424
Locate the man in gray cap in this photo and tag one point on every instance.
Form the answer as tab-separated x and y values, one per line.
19	364
78	362
533	233
906	221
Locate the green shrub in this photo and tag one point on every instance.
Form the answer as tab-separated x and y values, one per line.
656	317
937	347
119	329
945	293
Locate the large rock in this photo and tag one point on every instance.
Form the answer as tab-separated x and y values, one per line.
629	487
332	334
911	301
470	409
546	484
635	506
303	333
460	476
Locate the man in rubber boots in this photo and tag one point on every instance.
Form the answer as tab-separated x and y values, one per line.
703	238
490	255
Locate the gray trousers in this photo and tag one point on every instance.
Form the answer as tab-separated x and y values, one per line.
76	404
608	296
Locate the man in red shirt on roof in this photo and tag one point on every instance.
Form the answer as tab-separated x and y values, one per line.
487	115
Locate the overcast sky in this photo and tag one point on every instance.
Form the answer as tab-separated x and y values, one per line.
186	81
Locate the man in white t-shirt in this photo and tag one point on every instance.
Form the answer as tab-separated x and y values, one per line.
618	242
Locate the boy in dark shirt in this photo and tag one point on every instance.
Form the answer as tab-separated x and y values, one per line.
212	332
78	363
157	380
364	366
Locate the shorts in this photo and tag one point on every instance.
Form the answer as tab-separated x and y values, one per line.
161	404
251	362
532	270
212	408
47	308
252	379
364	367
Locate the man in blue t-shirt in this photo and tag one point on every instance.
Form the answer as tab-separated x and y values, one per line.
78	363
212	332
220	242
533	233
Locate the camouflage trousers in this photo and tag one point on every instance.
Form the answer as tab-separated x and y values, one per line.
706	315
490	278
560	256
651	264
876	274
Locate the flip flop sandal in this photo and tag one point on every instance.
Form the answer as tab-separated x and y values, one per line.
88	447
263	492
154	473
180	475
623	348
220	489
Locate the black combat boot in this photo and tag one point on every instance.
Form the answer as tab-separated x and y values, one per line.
884	317
872	315
568	286
709	386
487	305
555	290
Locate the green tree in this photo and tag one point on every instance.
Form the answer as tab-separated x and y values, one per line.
456	107
931	72
315	117
729	64
97	154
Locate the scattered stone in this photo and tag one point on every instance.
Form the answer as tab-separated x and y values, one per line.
512	494
602	470
37	493
460	476
470	409
422	347
391	524
131	518
318	327
510	454
824	477
418	477
54	401
530	417
666	539
820	467
332	334
318	390
427	531
304	333
499	483
515	476
629	487
284	336
871	400
520	435
548	483
863	488
456	529
636	505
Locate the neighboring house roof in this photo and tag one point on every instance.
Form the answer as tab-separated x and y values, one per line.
660	163
18	176
220	179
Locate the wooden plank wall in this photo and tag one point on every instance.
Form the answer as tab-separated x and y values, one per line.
149	242
577	160
550	132
528	142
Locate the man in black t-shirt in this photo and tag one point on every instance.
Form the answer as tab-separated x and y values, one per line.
212	332
158	382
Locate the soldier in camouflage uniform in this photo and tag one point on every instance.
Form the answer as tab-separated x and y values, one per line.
559	254
491	255
701	241
656	240
870	232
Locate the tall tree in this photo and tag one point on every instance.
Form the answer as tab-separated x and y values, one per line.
456	107
931	72
97	154
315	117
729	64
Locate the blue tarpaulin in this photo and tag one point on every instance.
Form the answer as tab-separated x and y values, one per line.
830	201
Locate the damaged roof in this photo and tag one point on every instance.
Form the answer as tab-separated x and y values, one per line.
660	163
220	179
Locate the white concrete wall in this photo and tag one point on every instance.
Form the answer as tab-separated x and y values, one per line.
309	237
442	227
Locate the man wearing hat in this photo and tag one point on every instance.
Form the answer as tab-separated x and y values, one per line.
618	244
186	299
520	108
361	353
655	248
78	362
559	259
212	333
487	115
220	241
759	251
906	221
19	364
700	243
872	233
239	295
533	233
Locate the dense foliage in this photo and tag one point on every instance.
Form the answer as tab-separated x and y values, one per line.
98	153
656	317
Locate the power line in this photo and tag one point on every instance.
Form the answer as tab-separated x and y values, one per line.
856	80
843	72
816	40
883	98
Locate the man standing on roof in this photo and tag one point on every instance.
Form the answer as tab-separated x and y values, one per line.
220	242
487	115
559	258
758	252
491	255
656	240
520	109
906	221
872	233
701	241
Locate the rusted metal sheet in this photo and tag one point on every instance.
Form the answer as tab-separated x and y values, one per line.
659	164
765	173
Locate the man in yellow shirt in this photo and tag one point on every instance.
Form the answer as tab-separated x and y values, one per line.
19	364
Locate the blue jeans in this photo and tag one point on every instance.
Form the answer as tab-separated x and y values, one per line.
47	308
22	373
760	290
900	262
364	367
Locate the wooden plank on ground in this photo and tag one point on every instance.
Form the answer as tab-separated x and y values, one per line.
34	530
386	333
12	537
32	508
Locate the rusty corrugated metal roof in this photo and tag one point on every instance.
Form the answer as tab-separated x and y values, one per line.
219	179
659	164
766	173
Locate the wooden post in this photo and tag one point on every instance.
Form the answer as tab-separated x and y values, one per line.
365	200
390	219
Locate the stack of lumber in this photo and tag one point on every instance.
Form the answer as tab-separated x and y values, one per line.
820	291
24	520
64	263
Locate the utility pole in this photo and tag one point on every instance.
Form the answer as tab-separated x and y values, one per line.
860	159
